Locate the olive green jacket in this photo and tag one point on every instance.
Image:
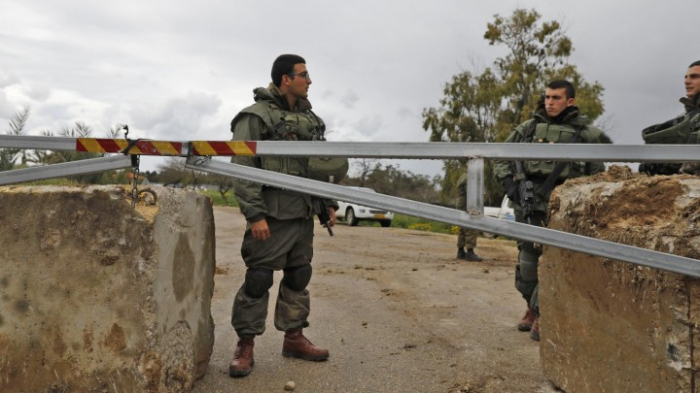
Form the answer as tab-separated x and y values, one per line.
692	104
548	130
683	129
270	118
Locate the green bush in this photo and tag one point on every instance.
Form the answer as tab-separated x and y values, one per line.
216	199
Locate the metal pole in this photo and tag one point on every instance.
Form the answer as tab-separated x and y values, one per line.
602	248
414	150
491	151
475	186
82	167
37	142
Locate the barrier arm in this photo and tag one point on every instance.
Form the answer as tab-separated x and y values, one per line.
132	147
73	168
394	150
601	248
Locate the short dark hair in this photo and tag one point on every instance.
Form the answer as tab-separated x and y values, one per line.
697	63
284	65
563	84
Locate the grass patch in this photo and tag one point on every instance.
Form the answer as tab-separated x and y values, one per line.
216	199
421	224
416	224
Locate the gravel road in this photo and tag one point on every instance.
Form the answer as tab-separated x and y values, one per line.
397	312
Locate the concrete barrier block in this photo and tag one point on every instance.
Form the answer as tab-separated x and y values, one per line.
98	297
611	326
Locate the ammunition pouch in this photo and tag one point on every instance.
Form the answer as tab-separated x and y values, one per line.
328	169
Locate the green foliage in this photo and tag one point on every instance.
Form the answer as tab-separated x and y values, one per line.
390	180
414	223
486	106
219	199
17	126
419	224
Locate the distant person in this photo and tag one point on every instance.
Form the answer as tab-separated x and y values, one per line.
556	120
279	233
684	129
466	238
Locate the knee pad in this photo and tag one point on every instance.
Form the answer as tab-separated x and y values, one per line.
297	278
257	282
525	287
528	265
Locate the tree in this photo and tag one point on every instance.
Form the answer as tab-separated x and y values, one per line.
365	167
223	183
391	180
486	106
17	127
469	112
173	172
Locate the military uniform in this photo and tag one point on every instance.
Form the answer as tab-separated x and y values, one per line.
692	109
543	129
684	129
289	214
466	237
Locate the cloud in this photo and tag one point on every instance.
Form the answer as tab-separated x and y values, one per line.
7	83
349	99
37	92
6	108
369	125
7	79
117	63
405	111
177	118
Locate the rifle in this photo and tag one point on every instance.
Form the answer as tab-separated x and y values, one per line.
526	192
324	217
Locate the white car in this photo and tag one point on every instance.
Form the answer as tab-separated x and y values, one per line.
505	211
353	213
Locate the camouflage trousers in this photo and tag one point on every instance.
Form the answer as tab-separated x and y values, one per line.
526	281
467	237
290	245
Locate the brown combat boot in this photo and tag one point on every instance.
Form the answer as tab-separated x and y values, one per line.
535	332
525	324
297	346
242	363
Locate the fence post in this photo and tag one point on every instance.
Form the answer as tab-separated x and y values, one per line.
475	186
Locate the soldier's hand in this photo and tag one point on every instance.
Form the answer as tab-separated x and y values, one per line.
511	187
260	230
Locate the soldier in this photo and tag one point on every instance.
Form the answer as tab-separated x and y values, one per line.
556	120
466	238
684	129
279	234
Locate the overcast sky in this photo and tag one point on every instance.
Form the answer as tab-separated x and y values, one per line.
182	70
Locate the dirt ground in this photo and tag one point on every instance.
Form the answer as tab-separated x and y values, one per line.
397	312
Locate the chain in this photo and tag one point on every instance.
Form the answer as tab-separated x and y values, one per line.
135	160
198	160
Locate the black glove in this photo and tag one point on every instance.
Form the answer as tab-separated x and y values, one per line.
511	188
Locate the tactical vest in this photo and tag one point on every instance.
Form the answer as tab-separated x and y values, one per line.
297	126
684	129
555	133
694	120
